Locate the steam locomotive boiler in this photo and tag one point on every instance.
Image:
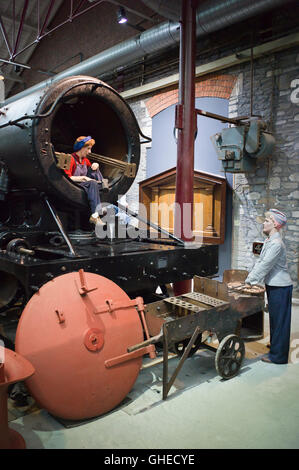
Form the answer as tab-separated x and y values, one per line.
79	298
44	228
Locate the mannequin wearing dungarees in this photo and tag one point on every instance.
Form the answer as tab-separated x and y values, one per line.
271	269
95	174
78	173
90	187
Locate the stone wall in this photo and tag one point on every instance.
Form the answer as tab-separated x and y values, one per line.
275	182
145	123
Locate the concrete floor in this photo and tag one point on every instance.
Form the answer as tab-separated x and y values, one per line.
258	409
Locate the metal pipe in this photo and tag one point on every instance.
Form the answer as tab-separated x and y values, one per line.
251	80
78	6
60	227
150	224
38	19
215	14
15	63
186	133
46	19
25	251
236	121
20	29
187	126
3	30
211	16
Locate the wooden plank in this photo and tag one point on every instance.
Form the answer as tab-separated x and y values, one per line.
129	169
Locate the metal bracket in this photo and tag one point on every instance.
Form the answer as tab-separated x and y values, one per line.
83	289
60	316
110	306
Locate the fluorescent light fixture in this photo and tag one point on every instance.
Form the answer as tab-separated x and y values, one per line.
121	15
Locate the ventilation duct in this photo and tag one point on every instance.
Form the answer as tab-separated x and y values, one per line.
211	16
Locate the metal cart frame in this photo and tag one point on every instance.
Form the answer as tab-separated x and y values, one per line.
210	308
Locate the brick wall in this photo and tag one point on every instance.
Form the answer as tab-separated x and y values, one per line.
217	86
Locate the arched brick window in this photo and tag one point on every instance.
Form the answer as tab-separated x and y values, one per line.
216	86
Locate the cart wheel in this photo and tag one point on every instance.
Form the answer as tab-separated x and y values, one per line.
229	356
180	347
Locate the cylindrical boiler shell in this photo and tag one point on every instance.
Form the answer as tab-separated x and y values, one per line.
84	106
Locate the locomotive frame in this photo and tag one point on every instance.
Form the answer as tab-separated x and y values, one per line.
44	228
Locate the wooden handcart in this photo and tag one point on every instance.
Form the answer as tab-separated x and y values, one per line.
183	324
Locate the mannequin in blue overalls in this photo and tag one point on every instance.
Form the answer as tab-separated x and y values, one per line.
271	268
78	173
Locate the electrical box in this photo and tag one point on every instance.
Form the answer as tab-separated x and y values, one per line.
239	147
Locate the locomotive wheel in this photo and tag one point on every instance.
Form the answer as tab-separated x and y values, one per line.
180	347
229	356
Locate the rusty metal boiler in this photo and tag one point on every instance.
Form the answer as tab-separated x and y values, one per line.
75	331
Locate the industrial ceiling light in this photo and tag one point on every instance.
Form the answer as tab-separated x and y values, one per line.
121	15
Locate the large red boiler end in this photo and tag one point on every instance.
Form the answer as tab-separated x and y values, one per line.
76	331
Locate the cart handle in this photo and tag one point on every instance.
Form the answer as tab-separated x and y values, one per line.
152	340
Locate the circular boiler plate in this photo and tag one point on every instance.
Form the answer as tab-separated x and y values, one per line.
69	336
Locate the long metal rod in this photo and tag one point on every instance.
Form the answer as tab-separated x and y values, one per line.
14	21
165	361
219	117
60	226
71	8
38	19
26	2
4	34
10	62
47	17
150	224
78	6
251	80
